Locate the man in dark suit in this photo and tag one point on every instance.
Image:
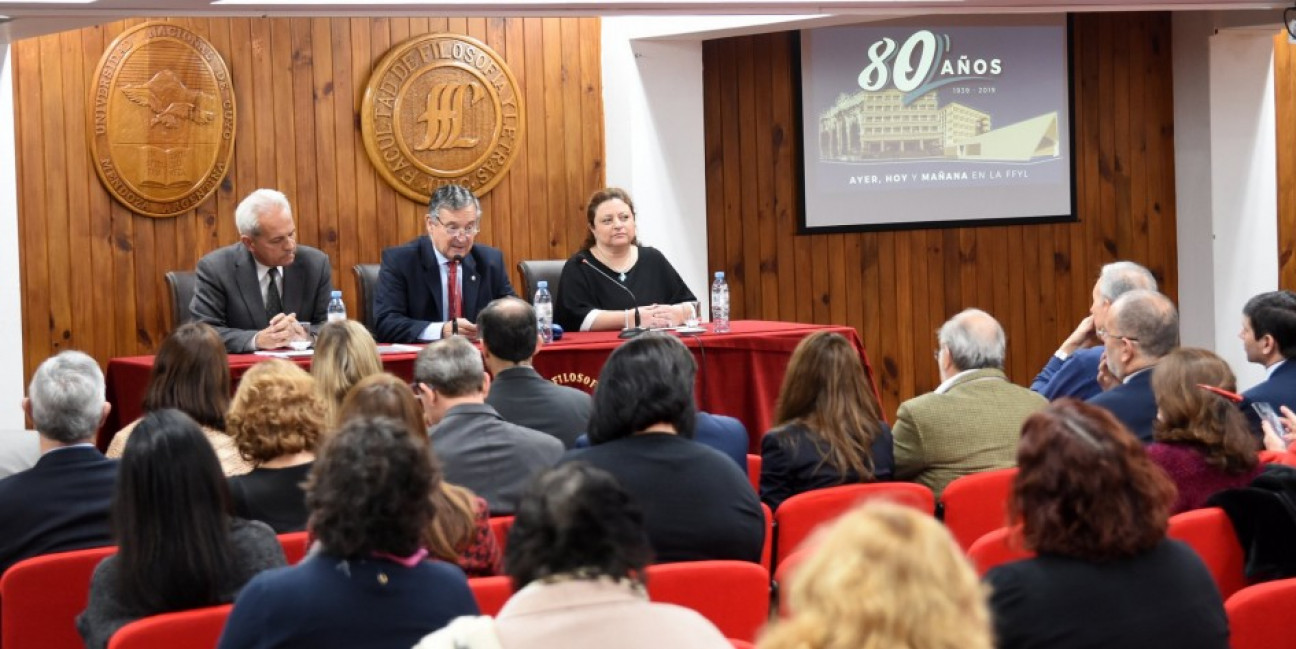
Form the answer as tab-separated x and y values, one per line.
265	290
476	447
507	328
1142	327
1269	338
62	503
435	286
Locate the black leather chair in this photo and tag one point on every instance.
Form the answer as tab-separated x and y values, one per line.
534	270
366	283
181	284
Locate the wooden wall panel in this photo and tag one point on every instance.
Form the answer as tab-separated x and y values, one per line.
897	287
92	271
1285	104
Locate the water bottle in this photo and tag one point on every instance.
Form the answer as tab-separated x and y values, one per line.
544	311
336	309
719	304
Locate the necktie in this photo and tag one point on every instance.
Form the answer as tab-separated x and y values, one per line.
455	308
273	302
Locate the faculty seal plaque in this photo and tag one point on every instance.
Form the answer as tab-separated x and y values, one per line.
441	109
162	119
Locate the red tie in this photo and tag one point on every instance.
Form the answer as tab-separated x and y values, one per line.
452	291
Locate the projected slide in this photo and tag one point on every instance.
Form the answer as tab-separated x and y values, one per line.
956	120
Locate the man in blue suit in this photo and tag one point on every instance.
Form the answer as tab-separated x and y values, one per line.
62	503
1073	368
434	286
1142	327
1269	338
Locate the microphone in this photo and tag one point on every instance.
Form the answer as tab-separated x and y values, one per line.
454	322
629	332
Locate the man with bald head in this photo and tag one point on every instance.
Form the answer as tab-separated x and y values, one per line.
972	421
1142	327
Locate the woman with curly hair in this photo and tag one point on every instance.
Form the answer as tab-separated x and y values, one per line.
577	555
369	584
191	374
829	428
1094	509
884	576
276	418
345	352
1201	438
461	531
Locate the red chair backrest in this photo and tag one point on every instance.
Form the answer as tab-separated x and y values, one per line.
1278	457
976	504
196	629
767	550
501	525
1210	532
741	644
783	577
40	598
1000	546
753	471
733	595
799	515
1257	616
491	593
295	545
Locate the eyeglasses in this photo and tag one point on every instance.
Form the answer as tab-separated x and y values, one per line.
456	231
1103	333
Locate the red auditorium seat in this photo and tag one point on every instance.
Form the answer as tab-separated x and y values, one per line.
40	598
295	545
491	593
1257	616
976	504
799	515
733	595
196	629
1210	532
501	525
1000	546
753	471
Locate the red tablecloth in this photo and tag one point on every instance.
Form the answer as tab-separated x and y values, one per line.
739	373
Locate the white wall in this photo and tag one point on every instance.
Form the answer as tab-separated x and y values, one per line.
11	352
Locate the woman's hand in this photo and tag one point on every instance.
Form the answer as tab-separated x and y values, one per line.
1278	440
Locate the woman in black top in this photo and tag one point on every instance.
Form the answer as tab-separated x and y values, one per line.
829	430
613	276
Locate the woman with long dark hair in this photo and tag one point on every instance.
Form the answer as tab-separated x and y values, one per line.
828	428
178	547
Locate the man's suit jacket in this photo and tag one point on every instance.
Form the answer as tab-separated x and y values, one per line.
1133	404
523	397
1277	390
408	297
495	459
974	426
725	434
1076	377
60	504
228	297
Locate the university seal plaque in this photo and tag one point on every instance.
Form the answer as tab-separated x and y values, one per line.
162	119
441	109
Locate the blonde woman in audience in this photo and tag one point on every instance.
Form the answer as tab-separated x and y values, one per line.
884	576
461	531
277	419
191	374
345	352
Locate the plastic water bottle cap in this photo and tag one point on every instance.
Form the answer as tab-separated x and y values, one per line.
719	274
544	283
337	295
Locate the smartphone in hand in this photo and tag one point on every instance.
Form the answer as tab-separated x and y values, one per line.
1267	413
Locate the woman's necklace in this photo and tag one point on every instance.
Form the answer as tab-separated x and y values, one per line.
620	269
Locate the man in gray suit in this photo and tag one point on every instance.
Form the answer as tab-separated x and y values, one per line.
264	291
477	448
507	327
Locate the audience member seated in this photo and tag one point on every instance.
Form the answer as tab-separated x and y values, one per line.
191	374
345	352
828	429
1072	371
518	393
1202	440
882	576
369	584
577	557
1142	327
1269	338
178	547
1094	508
971	422
434	286
460	532
19	451
477	448
277	419
613	282
697	505
62	503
